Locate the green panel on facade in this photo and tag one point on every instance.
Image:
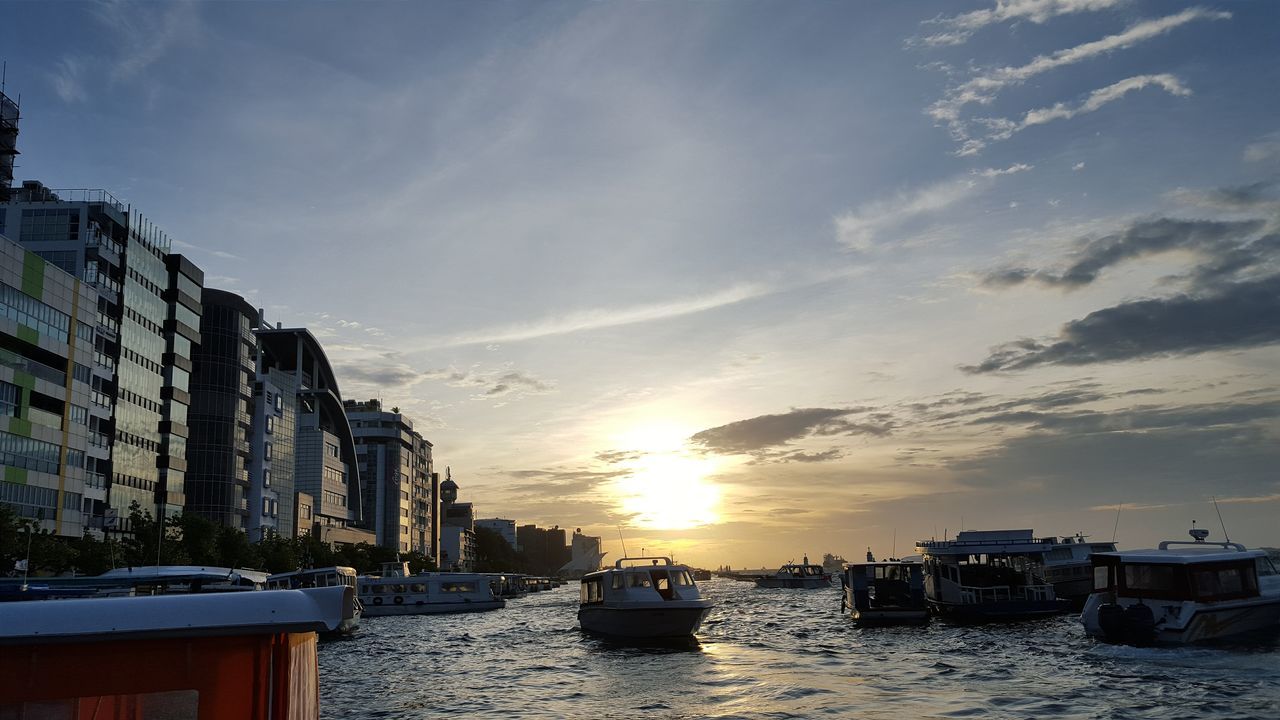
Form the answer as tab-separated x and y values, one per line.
15	475
33	275
27	334
24	380
20	426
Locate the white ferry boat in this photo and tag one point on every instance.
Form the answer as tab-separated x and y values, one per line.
884	593
795	575
1182	592
396	592
337	576
652	601
988	575
1067	565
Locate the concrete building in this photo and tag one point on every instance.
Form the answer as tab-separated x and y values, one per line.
585	555
292	366
46	354
399	504
457	529
504	528
146	318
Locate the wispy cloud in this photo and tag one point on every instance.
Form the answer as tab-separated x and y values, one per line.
145	36
67	82
983	87
863	228
959	28
1003	128
601	318
1266	148
208	251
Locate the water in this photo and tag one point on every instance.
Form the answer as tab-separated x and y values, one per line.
779	654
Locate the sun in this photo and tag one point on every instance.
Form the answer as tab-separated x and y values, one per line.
669	490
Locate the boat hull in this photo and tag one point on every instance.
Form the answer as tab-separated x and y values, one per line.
421	607
1000	611
805	583
643	623
1206	623
880	618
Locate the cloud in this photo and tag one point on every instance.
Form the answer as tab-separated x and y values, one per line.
1253	196
597	319
959	28
513	382
1003	128
860	229
208	251
1078	166
146	36
491	384
983	88
67	82
1241	315
1267	148
1207	239
767	431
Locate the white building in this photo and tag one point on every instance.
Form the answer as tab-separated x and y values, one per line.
586	555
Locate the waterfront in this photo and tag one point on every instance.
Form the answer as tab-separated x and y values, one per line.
775	654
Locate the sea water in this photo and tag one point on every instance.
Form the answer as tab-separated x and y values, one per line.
778	654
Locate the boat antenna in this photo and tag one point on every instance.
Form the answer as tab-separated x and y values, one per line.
1224	525
624	542
1116	530
894	552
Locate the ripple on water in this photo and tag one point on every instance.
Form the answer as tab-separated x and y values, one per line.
779	654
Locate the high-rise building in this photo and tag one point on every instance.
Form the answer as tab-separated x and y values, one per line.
145	323
46	399
8	144
218	448
293	367
395	476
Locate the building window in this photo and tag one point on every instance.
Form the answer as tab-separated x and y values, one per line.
266	507
266	451
331	449
26	310
270	425
266	478
10	399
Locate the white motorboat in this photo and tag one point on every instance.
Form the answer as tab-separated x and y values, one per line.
884	593
324	577
1182	592
395	592
989	575
795	575
654	601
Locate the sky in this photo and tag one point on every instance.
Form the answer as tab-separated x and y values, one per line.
738	281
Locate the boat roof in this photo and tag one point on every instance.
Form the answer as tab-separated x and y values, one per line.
1190	554
883	563
172	616
184	572
990	542
340	569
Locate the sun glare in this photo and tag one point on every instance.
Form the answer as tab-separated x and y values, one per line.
669	491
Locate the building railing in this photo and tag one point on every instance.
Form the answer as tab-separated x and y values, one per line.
90	195
971	595
32	367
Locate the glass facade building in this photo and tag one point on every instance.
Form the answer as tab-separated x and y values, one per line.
145	323
395	463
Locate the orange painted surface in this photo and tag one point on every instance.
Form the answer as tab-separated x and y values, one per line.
222	678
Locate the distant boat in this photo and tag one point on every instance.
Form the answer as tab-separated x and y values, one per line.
884	593
651	601
1182	592
989	575
324	577
396	592
795	575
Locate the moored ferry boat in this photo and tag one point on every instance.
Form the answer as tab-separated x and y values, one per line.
884	593
1182	592
653	601
337	576
396	592
1067	565
795	575
989	575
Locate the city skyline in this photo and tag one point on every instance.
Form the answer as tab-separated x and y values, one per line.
741	282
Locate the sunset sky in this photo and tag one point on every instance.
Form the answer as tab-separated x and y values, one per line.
743	280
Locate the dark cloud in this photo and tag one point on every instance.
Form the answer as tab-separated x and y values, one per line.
615	457
766	431
1252	196
510	382
382	375
1138	419
1241	315
1208	238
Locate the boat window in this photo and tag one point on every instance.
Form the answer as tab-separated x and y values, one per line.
457	587
1157	581
681	578
1264	568
1101	577
618	582
418	588
377	589
1224	582
397	588
638	580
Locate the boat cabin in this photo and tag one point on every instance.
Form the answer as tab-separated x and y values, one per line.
313	577
1210	573
665	581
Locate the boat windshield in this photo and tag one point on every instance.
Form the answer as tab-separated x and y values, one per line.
638	580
